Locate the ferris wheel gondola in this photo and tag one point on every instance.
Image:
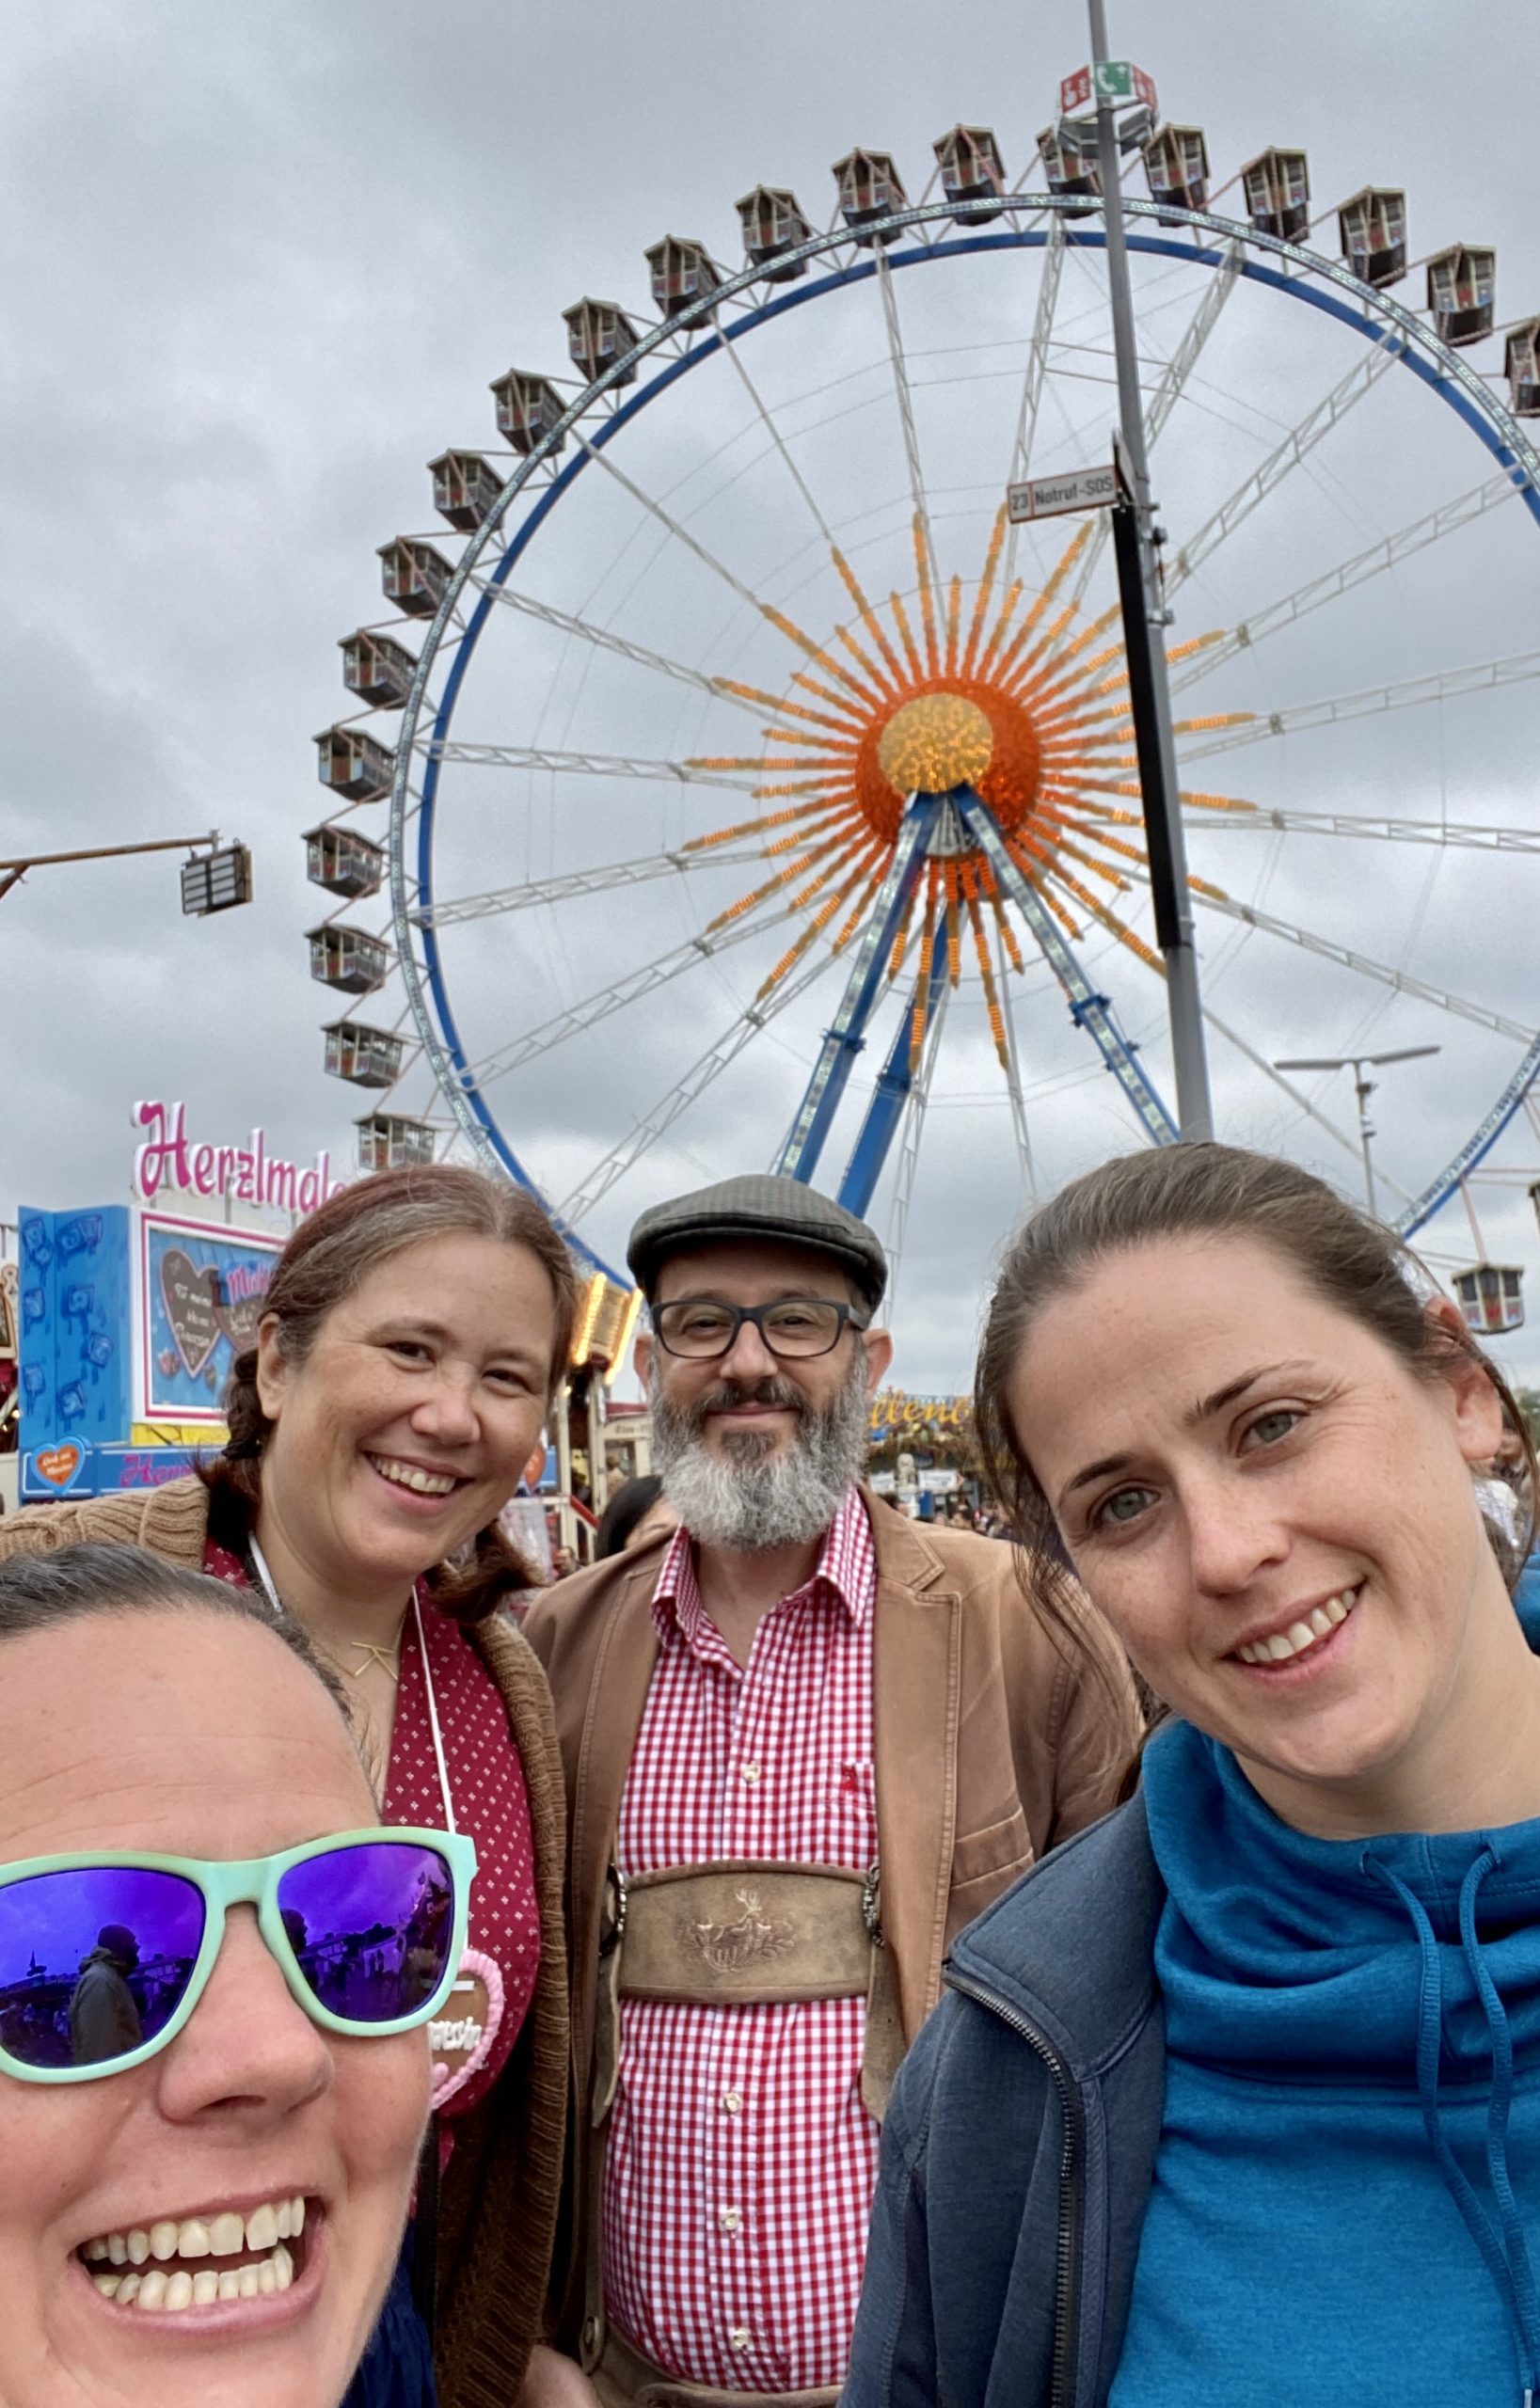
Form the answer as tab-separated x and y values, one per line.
798	601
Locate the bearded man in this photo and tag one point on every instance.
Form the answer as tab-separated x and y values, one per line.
805	1740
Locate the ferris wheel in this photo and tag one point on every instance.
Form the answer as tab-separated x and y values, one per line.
760	792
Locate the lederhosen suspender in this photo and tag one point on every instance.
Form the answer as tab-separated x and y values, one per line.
738	1932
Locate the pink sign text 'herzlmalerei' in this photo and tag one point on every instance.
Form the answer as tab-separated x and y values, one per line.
249	1174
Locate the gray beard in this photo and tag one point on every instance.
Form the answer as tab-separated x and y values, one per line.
755	1494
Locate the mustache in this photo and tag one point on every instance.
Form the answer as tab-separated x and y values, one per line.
728	1394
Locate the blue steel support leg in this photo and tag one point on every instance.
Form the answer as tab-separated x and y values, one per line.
884	1114
843	1040
1090	1010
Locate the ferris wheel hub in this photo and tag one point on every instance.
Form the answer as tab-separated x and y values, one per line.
934	743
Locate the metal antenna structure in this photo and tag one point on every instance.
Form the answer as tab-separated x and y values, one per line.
1144	623
1363	1087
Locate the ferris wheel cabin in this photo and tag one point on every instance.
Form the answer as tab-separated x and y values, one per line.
682	273
1462	292
529	410
354	764
971	167
598	334
368	1057
1521	366
1373	227
387	1141
349	959
1276	186
342	862
1176	162
772	224
1069	170
1488	1295
868	186
377	669
465	489
415	577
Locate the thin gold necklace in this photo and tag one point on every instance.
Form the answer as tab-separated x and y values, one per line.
388	1658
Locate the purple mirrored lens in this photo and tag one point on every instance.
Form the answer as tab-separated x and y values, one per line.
92	1963
372	1926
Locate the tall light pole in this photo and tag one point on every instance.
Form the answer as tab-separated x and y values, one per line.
214	877
1364	1089
1144	636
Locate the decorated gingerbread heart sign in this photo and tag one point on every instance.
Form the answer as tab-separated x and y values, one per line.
190	1297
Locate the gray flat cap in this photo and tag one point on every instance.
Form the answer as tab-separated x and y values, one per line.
763	1205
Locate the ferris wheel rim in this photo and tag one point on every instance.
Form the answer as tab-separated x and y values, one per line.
1365	310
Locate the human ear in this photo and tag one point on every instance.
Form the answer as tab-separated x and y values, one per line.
1477	1406
878	1346
271	1368
642	1353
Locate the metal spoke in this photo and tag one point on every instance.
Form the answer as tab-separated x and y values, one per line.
909	1146
1220	285
1037	370
1297	1095
733	350
1388	553
700	1075
681	534
607	1000
1401	831
568	884
1346	959
1360	379
906	413
606	640
1480	679
590	765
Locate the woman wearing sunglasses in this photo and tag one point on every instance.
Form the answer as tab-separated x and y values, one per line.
1239	2094
217	1971
402	1369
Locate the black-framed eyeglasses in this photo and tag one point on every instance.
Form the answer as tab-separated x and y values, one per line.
701	1328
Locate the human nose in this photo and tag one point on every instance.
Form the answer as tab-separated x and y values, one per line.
1232	1534
247	2049
749	1357
446	1411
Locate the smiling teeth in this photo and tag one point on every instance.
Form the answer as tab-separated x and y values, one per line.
165	2285
1300	1635
427	1484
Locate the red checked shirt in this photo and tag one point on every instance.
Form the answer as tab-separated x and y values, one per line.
741	2162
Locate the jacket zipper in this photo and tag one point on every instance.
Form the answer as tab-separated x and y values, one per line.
1065	2270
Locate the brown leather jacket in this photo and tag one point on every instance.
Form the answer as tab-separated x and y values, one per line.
991	1745
497	2211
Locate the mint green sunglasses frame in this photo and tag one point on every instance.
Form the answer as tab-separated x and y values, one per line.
253	1881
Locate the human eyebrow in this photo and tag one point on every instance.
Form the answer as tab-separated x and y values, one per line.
1092	1472
1207	1406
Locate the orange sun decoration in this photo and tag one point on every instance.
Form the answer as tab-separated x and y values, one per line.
1026	706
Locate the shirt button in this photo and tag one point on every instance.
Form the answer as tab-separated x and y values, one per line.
733	2101
729	2218
750	1773
741	2337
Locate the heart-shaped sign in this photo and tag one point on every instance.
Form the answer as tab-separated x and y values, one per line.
238	1321
59	1465
188	1295
461	2039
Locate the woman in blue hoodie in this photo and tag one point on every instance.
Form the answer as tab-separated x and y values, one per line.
1237	2096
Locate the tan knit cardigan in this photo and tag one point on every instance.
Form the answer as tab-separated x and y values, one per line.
497	2215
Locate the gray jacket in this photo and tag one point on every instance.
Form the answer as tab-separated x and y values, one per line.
1019	2146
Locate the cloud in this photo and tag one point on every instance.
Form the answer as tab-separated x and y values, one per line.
262	265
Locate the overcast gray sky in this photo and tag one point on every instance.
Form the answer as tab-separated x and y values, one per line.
261	265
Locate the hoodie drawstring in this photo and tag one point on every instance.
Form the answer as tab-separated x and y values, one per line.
1505	2253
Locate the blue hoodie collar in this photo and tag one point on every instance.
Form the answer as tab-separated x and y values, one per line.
1364	1964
